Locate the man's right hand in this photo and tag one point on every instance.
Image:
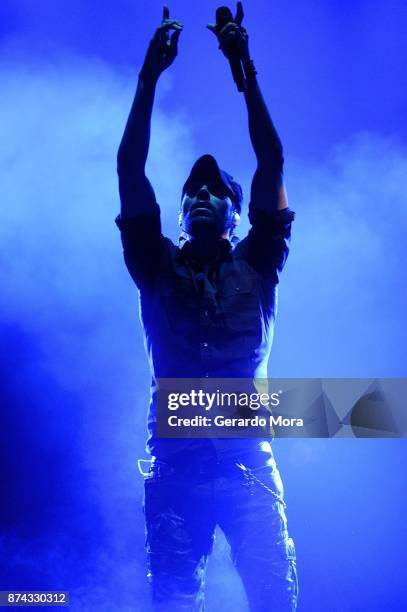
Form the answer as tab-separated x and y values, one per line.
163	47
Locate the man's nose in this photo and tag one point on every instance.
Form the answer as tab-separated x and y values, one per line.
203	193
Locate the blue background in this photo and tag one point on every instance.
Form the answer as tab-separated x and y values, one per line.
74	378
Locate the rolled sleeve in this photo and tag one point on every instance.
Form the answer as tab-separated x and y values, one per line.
142	245
269	240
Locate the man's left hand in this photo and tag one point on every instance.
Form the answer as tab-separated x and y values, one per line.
233	33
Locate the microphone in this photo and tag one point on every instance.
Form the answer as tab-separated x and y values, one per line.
224	16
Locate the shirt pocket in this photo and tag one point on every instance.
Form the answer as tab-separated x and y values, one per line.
240	304
178	300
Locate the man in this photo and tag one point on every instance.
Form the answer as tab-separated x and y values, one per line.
208	310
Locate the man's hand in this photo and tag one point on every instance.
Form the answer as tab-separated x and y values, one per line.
163	47
233	34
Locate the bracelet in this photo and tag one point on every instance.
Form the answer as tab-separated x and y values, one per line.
250	70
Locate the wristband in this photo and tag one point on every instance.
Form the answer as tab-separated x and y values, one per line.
250	70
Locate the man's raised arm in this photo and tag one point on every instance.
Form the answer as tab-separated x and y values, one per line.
269	215
267	191
136	194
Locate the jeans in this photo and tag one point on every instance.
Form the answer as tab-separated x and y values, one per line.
184	503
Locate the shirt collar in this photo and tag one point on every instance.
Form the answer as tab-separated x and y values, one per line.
187	250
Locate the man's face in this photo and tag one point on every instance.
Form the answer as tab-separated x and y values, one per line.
207	209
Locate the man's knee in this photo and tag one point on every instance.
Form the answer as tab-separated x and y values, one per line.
176	583
176	556
269	575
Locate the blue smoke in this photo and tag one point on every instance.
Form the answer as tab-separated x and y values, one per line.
74	378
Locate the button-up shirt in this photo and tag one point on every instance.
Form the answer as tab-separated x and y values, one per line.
206	319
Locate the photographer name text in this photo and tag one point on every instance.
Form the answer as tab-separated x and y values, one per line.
222	421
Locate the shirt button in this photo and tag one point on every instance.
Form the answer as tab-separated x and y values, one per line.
206	375
206	313
237	288
205	344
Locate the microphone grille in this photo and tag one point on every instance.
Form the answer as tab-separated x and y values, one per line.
223	15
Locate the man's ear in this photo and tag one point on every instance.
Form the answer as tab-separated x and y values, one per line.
235	219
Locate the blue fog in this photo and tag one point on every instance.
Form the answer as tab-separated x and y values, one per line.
74	380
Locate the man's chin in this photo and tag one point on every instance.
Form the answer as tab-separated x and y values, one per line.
203	227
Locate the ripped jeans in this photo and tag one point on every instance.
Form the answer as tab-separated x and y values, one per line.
183	505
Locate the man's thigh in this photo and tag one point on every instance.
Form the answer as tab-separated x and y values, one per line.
179	535
252	516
